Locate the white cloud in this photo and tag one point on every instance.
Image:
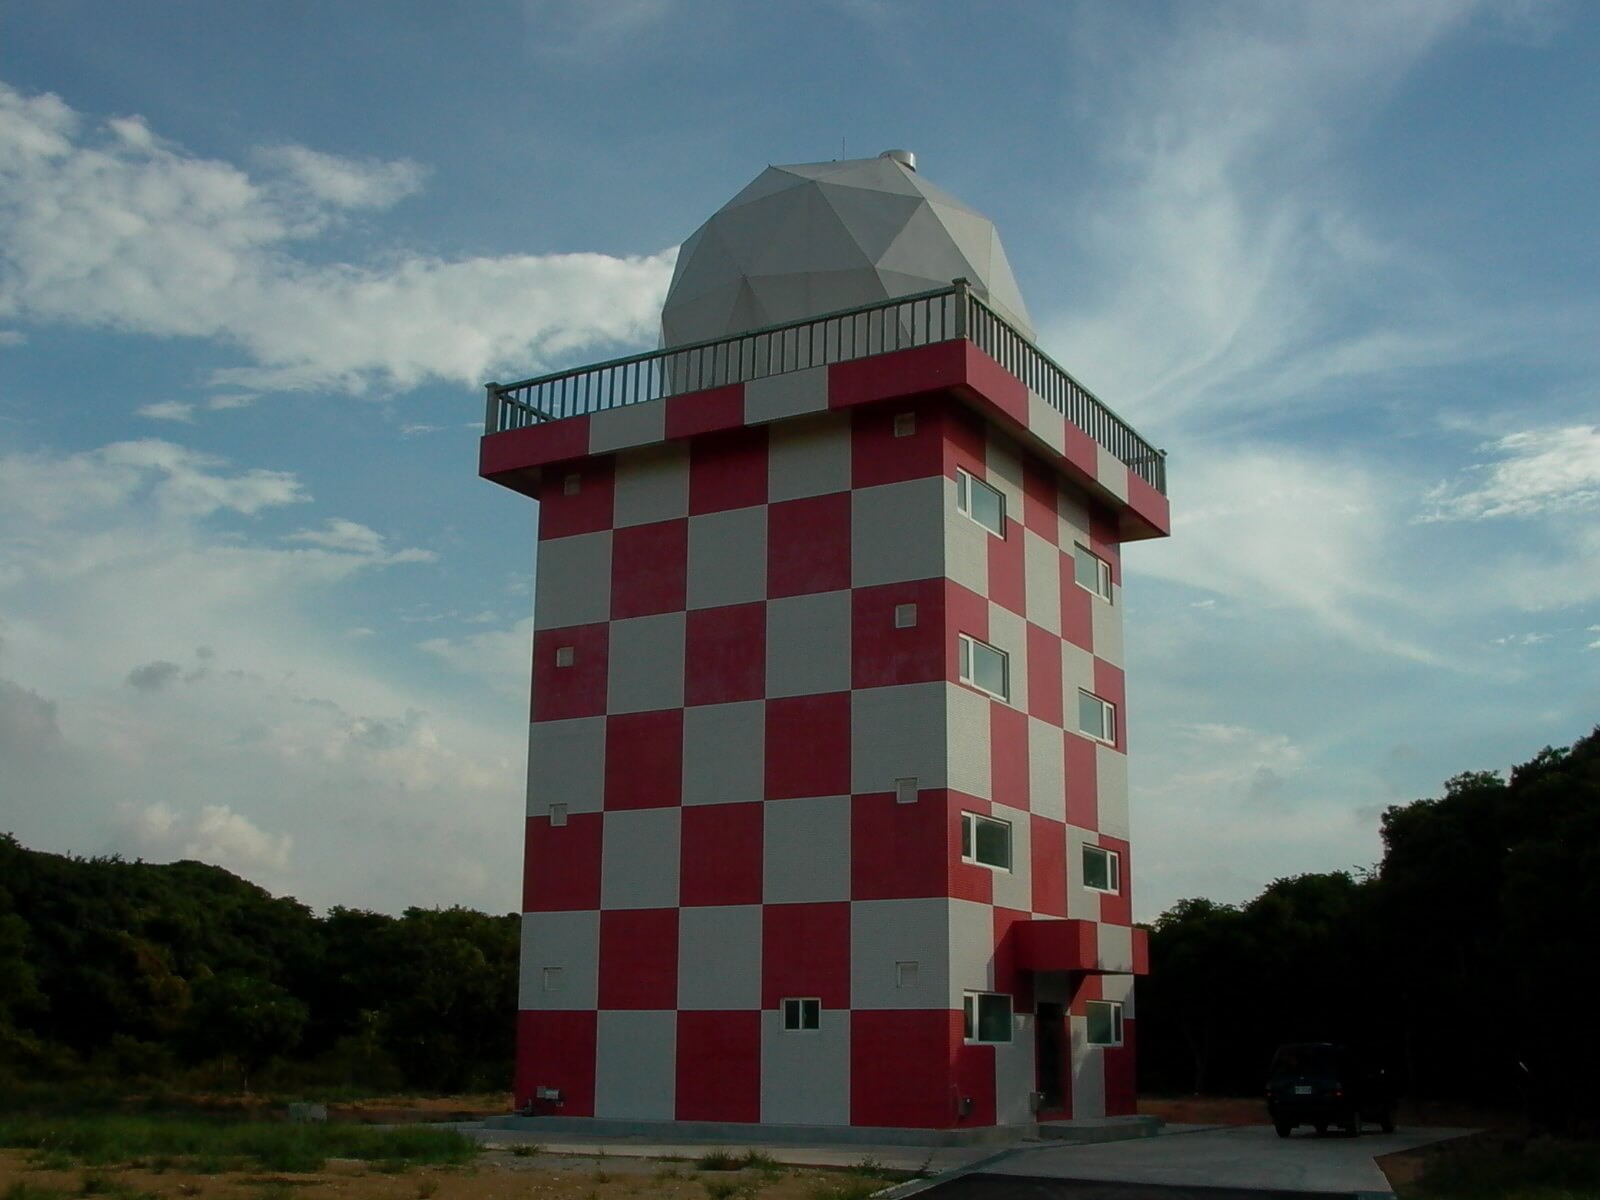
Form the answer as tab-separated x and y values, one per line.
115	228
224	401
346	183
12	337
498	657
168	410
1539	471
163	659
350	537
1277	527
1230	266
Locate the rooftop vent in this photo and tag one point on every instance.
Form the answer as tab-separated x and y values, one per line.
904	157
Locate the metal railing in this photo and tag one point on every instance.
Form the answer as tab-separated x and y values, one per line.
942	315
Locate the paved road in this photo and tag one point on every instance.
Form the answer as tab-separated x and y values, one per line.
1217	1164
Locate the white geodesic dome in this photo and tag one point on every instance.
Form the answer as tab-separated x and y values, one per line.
815	238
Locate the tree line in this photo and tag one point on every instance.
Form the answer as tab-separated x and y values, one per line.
1467	960
113	971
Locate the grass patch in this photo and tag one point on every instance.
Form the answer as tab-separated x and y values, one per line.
213	1145
726	1160
526	1151
849	1189
728	1189
21	1190
1511	1170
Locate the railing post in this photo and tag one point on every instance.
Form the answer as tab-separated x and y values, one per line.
491	408
963	287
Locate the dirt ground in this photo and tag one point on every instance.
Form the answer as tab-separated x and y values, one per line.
496	1175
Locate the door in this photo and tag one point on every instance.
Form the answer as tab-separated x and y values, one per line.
1050	1050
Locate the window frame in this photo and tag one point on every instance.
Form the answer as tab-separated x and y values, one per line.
1103	581
969	840
1108	718
966	645
972	1018
1114	1008
801	1011
1113	870
964	482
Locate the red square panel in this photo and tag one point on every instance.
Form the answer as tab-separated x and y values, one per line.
705	411
808	746
1008	978
721	854
1044	675
1082	452
805	951
578	690
902	1068
719	1066
808	545
975	1082
1008	755
1077	607
967	881
728	470
1122	1090
1103	540
966	442
561	864
556	1050
1048	847
877	456
899	851
1109	684
644	759
725	654
1007	577
1118	909
649	568
882	653
1039	500
1088	989
584	505
1083	789
639	958
964	612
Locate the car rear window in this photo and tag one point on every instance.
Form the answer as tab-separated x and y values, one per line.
1306	1060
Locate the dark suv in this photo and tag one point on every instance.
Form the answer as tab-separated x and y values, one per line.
1321	1084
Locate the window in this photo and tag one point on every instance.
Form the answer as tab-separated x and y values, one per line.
982	503
1105	1023
1101	869
552	979
1097	717
558	814
986	1017
1092	572
905	973
986	841
905	616
905	790
985	668
801	1016
905	424
564	656
570	484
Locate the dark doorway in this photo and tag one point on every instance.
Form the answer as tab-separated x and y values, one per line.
1050	1044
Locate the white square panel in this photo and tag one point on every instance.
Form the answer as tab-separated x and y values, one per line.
646	664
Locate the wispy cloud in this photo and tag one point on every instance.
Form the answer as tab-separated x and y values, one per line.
168	410
1539	471
1232	269
113	227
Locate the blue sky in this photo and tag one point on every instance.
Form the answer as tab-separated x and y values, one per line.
256	260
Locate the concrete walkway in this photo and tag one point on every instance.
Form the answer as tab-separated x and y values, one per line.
1239	1160
1210	1161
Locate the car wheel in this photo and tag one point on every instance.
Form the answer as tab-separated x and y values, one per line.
1283	1129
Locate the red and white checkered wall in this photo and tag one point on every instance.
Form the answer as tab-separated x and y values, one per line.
723	700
